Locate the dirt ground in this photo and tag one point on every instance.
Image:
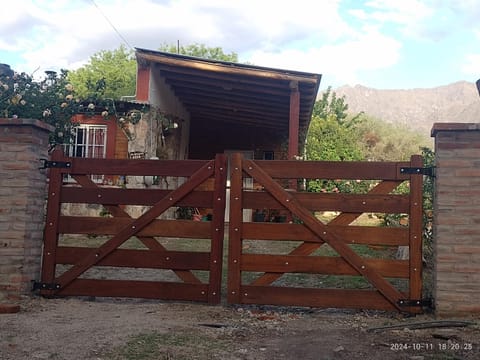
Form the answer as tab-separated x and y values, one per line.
105	328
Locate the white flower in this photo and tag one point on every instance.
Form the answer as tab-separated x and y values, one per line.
69	87
91	106
23	102
47	113
105	113
69	97
64	105
5	87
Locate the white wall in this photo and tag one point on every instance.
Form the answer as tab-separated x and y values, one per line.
161	96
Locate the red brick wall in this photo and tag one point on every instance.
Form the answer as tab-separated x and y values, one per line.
22	199
457	219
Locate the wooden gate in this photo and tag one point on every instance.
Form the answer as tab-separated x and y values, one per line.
256	274
82	269
298	259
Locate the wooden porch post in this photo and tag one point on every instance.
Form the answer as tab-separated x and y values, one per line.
293	125
293	122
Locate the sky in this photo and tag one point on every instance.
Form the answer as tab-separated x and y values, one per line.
383	44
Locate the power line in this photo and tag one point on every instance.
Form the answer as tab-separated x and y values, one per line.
113	26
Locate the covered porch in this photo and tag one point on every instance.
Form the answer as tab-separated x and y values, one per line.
230	106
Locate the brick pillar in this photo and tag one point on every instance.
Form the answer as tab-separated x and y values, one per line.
22	201
457	219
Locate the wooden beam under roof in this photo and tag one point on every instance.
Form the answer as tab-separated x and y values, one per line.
219	67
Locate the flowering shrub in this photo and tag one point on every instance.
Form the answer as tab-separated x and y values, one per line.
51	100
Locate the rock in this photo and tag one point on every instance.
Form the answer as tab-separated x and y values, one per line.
339	348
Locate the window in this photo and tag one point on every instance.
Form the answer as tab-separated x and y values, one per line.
89	141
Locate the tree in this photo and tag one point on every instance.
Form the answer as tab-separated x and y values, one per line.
331	134
383	141
108	75
331	137
331	106
330	141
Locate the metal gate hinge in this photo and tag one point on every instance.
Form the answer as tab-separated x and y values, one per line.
36	285
420	303
55	164
429	171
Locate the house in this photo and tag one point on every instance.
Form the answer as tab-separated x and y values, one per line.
198	107
202	107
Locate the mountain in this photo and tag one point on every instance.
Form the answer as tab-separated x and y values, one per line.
418	109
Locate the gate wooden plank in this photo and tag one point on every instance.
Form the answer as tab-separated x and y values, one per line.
287	200
235	229
148	241
415	226
136	289
348	217
350	234
333	298
379	203
217	229
51	222
148	259
353	170
125	233
325	265
98	166
109	226
148	197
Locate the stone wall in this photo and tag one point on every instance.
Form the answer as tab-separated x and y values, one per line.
22	201
457	219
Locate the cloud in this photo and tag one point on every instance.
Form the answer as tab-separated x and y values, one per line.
341	62
61	33
307	35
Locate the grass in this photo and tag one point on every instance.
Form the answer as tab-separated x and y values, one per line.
168	346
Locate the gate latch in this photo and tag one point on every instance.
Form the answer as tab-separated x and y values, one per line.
429	171
55	164
419	303
36	285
